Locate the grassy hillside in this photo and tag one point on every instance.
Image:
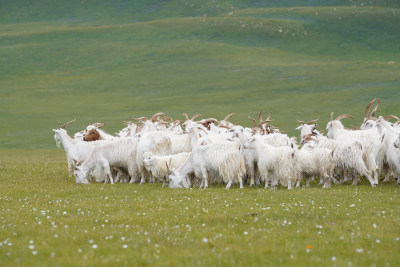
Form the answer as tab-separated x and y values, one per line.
108	62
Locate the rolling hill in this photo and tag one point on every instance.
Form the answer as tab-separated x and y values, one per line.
110	61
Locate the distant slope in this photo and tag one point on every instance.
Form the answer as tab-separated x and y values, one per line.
59	62
119	11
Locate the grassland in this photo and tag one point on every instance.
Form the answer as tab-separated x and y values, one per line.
57	63
48	220
109	61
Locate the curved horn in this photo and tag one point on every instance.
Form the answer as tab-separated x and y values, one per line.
389	117
224	126
302	122
209	120
158	114
141	118
331	119
203	130
313	121
229	116
263	122
98	124
168	119
343	116
254	121
186	116
65	124
368	107
260	116
269	116
238	123
372	114
196	116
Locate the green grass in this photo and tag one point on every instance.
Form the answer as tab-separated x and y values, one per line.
108	61
160	226
297	62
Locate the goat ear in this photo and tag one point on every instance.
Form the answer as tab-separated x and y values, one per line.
77	163
298	128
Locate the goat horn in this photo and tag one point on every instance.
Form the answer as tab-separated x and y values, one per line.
98	124
186	116
229	116
254	121
312	121
203	130
302	122
224	126
158	114
331	119
167	168
169	118
263	122
375	109
368	107
238	123
210	120
269	116
141	118
389	117
65	124
260	116
343	116
196	116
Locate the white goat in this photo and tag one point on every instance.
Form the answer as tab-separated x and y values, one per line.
75	150
315	162
156	142
389	138
120	153
159	165
223	159
370	140
347	156
275	164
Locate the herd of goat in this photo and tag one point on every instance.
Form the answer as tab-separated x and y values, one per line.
196	153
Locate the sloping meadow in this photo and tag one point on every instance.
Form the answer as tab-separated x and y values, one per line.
102	61
299	63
